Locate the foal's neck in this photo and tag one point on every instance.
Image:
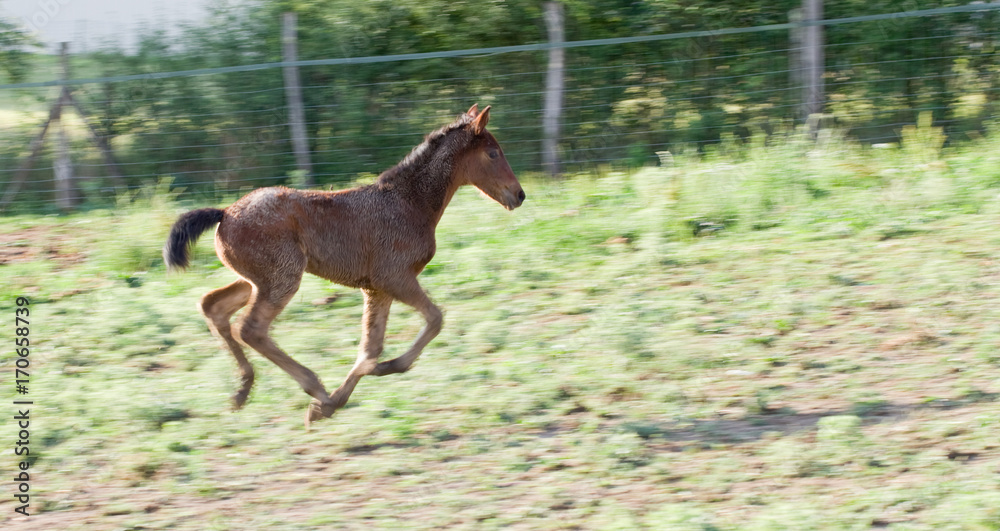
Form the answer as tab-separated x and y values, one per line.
428	184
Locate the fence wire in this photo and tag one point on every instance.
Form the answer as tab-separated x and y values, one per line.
226	131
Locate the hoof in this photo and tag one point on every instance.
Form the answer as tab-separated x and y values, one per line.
313	413
317	411
388	367
239	399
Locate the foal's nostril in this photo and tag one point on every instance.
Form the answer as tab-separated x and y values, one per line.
520	196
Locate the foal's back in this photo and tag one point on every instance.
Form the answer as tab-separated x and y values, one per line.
354	237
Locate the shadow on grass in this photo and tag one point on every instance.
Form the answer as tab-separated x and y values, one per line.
754	427
708	432
371	448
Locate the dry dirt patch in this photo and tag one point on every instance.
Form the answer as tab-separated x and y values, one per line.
36	243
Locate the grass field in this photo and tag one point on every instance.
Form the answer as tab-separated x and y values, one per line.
759	338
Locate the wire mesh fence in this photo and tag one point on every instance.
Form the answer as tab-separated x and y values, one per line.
216	132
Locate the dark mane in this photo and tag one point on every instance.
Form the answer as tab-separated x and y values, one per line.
421	155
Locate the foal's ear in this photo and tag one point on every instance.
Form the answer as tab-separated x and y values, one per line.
479	124
474	110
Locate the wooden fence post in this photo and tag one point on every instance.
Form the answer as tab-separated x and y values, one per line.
795	36
812	63
67	196
62	167
293	95
552	113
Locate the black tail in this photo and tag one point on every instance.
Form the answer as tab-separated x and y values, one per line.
176	253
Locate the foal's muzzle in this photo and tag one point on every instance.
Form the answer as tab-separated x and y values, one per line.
513	199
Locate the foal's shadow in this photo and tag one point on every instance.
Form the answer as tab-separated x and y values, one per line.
781	421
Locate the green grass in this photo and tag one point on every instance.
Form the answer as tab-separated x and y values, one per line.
791	337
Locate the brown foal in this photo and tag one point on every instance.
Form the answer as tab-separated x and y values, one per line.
377	238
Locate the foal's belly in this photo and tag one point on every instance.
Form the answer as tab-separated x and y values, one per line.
371	268
343	278
341	268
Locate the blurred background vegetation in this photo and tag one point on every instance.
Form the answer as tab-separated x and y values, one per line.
622	103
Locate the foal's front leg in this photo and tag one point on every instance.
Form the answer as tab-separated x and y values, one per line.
413	295
376	314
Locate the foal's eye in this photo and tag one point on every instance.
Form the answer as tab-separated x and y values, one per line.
493	153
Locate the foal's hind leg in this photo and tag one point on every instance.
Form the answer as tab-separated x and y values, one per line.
218	306
265	305
372	338
410	293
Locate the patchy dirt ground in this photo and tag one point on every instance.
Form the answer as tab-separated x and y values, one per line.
764	380
36	244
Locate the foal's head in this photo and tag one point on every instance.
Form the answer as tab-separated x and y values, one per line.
483	165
